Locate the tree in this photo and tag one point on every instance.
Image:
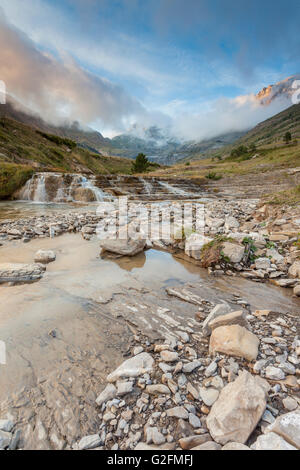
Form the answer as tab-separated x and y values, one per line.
287	137
141	164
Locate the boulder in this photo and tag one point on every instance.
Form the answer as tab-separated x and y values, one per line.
124	247
133	367
233	318
297	290
233	252
294	270
194	244
44	257
187	443
271	441
20	272
288	427
234	340
217	311
238	410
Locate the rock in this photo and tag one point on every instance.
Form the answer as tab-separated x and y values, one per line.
158	389
89	442
271	441
217	311
235	446
44	257
288	427
194	421
231	222
233	318
294	270
234	340
138	350
194	244
208	395
233	252
211	369
210	445
5	439
123	388
169	356
290	404
178	412
274	373
191	366
238	410
187	443
124	247
297	290
108	394
6	425
153	435
20	272
275	256
262	263
133	367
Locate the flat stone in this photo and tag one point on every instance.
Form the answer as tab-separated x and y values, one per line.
178	412
133	367
108	394
238	409
274	373
289	404
232	318
187	443
123	388
208	395
17	272
210	445
217	311
89	442
271	441
124	247
169	356
288	427
158	389
234	340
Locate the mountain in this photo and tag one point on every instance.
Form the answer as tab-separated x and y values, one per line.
89	138
281	90
272	130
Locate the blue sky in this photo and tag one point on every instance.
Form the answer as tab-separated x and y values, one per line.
169	57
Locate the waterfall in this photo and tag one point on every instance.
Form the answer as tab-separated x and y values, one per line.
171	189
147	186
59	188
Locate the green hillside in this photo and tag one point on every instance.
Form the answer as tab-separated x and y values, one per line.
24	149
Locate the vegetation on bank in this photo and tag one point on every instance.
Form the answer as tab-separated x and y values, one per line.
24	150
290	197
13	177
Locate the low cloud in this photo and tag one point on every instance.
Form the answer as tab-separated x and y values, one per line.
226	115
57	87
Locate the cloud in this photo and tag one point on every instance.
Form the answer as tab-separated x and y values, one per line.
58	88
225	115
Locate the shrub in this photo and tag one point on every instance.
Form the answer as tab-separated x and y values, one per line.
213	176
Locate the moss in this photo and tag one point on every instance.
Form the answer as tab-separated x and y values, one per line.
13	177
211	253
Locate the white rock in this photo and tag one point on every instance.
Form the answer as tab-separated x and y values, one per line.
217	311
6	425
271	441
44	257
274	373
208	395
108	394
133	367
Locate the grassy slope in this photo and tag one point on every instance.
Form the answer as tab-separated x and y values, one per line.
24	150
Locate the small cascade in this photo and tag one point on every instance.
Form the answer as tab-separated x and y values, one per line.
147	186
62	188
171	189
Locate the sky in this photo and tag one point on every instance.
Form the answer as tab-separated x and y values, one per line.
188	66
